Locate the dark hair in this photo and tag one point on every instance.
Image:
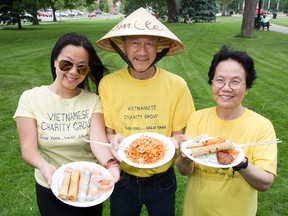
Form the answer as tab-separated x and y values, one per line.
97	69
241	57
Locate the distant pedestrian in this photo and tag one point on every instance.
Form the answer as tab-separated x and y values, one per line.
187	19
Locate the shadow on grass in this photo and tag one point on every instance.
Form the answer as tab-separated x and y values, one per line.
13	28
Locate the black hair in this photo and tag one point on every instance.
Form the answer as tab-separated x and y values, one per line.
241	57
97	69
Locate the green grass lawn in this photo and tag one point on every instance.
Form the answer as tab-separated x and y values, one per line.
281	19
24	63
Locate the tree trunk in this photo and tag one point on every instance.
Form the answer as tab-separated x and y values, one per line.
54	12
224	9
19	21
248	18
173	8
35	17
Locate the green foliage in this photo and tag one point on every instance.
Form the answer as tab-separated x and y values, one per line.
131	6
199	10
24	64
271	5
12	10
159	6
59	4
235	6
102	4
106	7
285	7
68	4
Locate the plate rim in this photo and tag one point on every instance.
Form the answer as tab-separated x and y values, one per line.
239	159
57	179
168	141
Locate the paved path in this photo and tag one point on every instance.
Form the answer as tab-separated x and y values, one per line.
278	28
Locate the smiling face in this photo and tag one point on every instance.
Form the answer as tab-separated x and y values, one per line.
229	71
141	51
69	80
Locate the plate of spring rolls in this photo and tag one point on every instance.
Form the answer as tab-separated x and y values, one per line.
82	184
214	152
146	150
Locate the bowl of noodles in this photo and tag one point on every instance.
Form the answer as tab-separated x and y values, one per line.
146	150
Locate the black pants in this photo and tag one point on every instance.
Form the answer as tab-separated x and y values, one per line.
157	193
49	205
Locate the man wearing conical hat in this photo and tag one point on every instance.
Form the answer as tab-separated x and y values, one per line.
143	98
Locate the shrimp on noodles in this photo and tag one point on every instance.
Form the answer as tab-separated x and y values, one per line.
146	150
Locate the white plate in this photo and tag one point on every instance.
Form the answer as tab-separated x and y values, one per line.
170	147
211	159
58	177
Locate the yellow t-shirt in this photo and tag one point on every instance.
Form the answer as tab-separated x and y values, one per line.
213	191
161	104
62	124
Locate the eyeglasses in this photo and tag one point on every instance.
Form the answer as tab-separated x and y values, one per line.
65	65
234	84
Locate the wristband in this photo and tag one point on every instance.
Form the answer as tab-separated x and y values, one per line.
241	166
110	163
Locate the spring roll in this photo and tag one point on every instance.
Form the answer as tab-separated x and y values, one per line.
74	184
194	145
93	190
63	191
85	174
216	140
210	149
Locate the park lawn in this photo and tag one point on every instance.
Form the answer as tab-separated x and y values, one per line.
280	20
24	63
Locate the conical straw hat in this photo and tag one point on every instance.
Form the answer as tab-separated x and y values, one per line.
141	22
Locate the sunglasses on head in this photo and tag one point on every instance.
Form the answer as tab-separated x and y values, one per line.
66	65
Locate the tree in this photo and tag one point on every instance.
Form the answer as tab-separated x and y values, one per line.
15	10
11	11
131	5
102	4
162	7
173	7
64	4
32	8
248	20
225	5
199	10
285	7
106	8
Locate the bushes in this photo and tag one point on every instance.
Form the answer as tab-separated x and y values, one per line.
199	10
